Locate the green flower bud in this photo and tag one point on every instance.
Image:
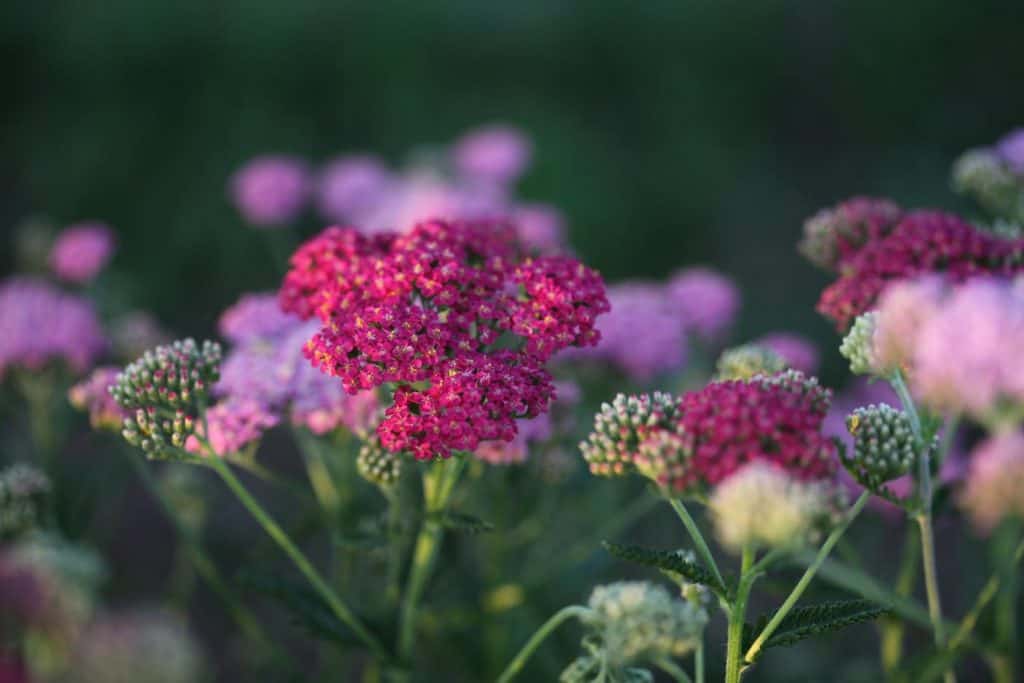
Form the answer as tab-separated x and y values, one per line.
621	426
858	345
749	360
378	465
884	446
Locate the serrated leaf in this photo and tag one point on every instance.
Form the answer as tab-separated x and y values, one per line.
667	561
467	524
806	622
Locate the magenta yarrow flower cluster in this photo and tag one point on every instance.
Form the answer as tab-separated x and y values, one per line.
81	251
834	235
537	432
42	324
271	191
450	313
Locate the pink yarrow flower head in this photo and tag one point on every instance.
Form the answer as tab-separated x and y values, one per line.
93	396
903	311
81	251
351	188
923	242
233	424
707	301
426	311
42	324
834	235
495	153
994	489
271	191
799	352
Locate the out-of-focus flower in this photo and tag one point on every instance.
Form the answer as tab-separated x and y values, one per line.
136	647
12	671
621	426
635	621
985	176
495	153
93	396
994	489
923	242
744	362
858	345
707	301
903	311
23	493
255	316
43	324
234	424
1010	149
834	235
528	432
81	251
186	490
797	351
271	191
540	227
166	389
134	332
760	505
350	188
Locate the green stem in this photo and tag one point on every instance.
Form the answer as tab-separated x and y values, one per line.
560	617
805	580
339	608
892	629
698	662
438	485
985	596
698	539
737	613
673	670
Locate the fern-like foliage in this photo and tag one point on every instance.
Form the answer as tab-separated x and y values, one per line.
806	622
670	561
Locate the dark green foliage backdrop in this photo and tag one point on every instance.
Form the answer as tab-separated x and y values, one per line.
671	132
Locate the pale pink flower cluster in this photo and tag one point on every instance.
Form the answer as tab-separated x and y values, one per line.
995	481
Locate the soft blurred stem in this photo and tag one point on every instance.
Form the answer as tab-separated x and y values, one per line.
924	515
673	670
892	630
519	661
38	389
805	580
737	614
438	484
396	544
698	662
339	608
698	538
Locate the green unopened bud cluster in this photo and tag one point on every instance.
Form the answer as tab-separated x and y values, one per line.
981	174
858	345
23	493
884	446
749	360
621	426
166	388
797	382
378	465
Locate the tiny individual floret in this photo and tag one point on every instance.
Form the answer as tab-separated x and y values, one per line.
81	251
622	425
166	389
635	622
760	505
884	445
858	345
994	490
271	191
744	362
93	396
23	493
834	235
378	465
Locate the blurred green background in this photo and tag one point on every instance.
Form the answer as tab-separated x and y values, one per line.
670	132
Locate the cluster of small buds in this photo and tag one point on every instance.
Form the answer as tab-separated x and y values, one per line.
761	505
93	396
622	425
833	235
378	465
884	445
639	621
664	459
23	492
744	362
858	345
994	176
166	388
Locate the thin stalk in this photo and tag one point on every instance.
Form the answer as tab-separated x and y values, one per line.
673	670
337	606
698	539
698	662
737	613
892	630
556	620
438	485
985	596
805	580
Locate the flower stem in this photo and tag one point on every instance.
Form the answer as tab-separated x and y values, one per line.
698	662
556	620
673	670
985	596
337	606
438	485
892	629
737	613
698	539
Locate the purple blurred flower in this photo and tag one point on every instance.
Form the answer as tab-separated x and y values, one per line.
93	395
536	431
255	316
495	153
351	187
270	191
995	481
1011	150
540	227
135	332
799	352
42	323
707	301
81	251
234	424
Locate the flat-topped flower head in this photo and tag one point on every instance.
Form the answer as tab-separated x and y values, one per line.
761	505
620	427
23	493
271	191
884	445
706	300
923	242
994	490
744	362
81	251
166	389
93	396
832	236
42	324
453	315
